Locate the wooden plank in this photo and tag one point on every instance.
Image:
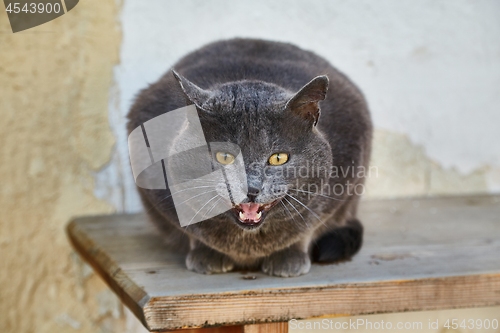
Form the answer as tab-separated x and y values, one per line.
221	329
133	296
419	254
266	328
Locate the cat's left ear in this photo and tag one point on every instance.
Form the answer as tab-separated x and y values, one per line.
305	103
193	93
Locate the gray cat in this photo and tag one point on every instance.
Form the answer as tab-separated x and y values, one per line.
303	149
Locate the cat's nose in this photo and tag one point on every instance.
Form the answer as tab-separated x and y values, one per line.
252	194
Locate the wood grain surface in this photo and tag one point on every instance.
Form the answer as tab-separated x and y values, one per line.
419	254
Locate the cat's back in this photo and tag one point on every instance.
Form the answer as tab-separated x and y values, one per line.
252	59
226	61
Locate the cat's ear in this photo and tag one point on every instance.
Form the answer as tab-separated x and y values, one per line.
305	103
193	93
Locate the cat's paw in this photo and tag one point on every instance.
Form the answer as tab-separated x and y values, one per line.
206	261
287	263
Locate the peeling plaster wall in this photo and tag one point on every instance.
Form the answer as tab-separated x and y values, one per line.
55	134
402	169
429	69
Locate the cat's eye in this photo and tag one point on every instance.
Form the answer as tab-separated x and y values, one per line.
224	158
278	159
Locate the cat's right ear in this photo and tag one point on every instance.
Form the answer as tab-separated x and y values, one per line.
305	103
192	92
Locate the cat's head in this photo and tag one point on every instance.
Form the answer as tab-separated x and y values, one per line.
272	133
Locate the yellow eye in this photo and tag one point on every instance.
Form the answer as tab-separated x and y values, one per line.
278	159
224	158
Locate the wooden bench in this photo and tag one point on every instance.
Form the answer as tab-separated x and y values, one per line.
419	254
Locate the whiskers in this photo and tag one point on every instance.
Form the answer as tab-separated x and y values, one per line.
157	204
302	205
295	203
207	186
199	210
293	219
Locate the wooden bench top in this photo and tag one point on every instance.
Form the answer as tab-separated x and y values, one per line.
418	254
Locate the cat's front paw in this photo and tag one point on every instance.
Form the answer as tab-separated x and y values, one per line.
287	263
206	261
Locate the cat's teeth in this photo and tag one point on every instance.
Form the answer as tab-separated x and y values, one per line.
257	216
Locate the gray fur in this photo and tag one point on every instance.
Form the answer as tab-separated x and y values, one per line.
266	97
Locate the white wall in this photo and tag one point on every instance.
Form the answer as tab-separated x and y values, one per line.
430	69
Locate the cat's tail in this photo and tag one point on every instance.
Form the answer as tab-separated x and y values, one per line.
339	244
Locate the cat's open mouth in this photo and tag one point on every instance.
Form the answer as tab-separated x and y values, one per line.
252	214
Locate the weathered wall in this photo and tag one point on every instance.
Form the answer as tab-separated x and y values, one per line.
54	132
429	69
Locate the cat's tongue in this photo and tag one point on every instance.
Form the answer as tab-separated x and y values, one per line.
249	212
